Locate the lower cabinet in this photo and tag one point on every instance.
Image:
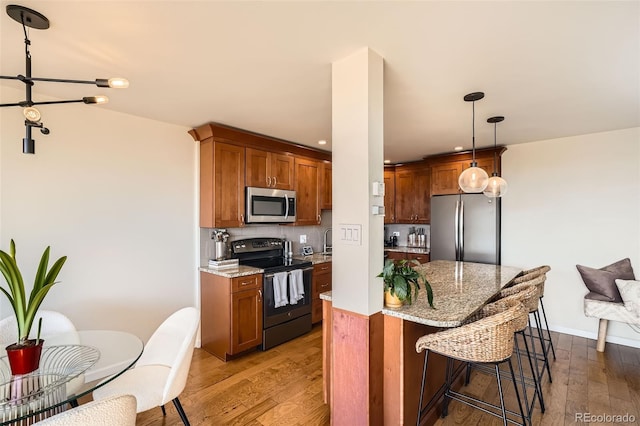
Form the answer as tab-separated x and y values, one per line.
400	255
321	282
231	314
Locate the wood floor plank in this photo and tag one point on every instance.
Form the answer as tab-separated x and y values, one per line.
283	386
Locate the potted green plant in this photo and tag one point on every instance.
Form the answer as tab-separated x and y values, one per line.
24	355
401	280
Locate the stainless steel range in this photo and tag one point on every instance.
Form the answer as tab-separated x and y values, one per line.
286	288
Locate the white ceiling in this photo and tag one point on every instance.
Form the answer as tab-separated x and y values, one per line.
553	69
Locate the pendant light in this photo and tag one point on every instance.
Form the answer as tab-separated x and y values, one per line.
497	186
29	18
474	179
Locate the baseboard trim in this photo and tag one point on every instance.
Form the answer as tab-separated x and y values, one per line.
594	336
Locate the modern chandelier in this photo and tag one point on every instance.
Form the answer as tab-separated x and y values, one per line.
473	179
32	19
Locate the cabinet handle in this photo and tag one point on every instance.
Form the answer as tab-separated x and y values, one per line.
260	294
246	282
324	268
241	219
268	180
319	219
324	285
275	181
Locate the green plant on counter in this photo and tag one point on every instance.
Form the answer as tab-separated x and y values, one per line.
25	310
401	279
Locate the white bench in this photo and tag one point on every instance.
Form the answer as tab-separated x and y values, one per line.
608	311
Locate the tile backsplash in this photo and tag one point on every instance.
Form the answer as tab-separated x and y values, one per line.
315	235
404	232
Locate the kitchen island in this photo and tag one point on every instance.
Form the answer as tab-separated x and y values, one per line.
459	290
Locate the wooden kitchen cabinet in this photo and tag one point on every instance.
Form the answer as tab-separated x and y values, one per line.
321	282
326	186
221	185
269	169
231	314
444	178
446	168
308	178
389	195
400	255
412	194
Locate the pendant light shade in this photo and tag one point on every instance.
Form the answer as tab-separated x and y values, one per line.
474	179
497	186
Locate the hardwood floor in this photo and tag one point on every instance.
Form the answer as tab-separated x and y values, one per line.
283	386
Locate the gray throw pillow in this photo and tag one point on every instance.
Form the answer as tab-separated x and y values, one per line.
603	280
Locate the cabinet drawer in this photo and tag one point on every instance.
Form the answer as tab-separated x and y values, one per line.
321	268
246	283
422	258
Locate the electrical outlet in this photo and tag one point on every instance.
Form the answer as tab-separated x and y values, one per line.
303	239
396	234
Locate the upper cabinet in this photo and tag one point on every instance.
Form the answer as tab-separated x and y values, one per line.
269	169
389	195
221	185
412	193
326	186
446	168
308	194
231	159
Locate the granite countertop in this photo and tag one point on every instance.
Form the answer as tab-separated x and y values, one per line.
326	296
404	249
237	271
459	290
315	258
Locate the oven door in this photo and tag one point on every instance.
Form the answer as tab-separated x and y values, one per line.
274	316
265	205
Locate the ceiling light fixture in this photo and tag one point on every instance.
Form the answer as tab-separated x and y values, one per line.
32	19
322	142
497	186
457	148
473	179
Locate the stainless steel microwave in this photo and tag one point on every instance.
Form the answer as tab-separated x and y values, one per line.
267	205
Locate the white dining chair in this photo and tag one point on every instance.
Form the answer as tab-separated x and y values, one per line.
160	374
119	410
52	323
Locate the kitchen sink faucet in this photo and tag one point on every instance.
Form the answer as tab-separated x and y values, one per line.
326	248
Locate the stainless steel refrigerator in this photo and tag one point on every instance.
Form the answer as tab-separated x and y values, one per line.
465	227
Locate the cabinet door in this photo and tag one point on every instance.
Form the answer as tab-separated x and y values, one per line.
326	186
281	171
307	195
246	320
404	196
444	178
228	186
389	196
422	200
257	167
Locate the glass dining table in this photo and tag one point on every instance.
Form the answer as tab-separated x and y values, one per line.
72	365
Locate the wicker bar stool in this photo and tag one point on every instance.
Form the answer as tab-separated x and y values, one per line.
538	282
528	296
527	275
486	341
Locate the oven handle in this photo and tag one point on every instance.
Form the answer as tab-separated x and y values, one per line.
303	270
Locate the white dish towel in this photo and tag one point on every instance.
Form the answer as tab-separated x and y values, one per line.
280	289
296	286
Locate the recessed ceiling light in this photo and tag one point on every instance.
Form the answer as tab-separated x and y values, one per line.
322	142
387	161
457	148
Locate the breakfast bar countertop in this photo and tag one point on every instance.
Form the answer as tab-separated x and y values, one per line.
459	290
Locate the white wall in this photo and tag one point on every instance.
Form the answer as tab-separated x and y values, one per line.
574	201
116	194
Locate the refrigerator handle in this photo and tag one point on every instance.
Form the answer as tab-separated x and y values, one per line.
456	234
461	231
